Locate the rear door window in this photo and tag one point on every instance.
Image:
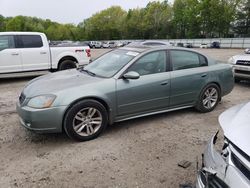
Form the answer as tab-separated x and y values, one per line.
186	60
6	42
30	41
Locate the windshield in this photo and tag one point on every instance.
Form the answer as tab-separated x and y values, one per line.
109	64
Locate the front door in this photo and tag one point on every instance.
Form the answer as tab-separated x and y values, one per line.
35	55
147	93
10	57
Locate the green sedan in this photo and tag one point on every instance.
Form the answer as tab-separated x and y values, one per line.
126	83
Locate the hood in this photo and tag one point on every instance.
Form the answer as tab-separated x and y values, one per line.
245	57
235	123
55	82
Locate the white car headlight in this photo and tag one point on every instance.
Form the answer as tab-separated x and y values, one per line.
42	101
231	61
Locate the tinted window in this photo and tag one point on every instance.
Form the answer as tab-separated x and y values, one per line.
185	60
152	63
30	41
6	42
203	60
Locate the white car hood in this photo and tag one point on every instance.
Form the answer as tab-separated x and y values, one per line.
235	123
245	57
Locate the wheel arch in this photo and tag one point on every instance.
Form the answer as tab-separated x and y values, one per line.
100	100
213	82
66	58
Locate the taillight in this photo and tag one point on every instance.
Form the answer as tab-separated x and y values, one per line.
88	52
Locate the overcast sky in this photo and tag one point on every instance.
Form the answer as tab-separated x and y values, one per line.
63	11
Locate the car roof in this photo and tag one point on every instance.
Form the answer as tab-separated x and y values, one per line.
143	48
21	33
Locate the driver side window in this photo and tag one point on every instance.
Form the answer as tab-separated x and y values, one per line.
6	42
151	63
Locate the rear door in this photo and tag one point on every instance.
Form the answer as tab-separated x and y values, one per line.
188	76
10	57
35	54
148	93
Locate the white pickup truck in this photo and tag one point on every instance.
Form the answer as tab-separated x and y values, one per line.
22	52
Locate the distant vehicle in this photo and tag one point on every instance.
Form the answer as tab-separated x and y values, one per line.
105	45
247	51
112	44
188	45
215	44
150	43
180	44
95	44
126	83
119	44
241	66
226	163
30	51
203	45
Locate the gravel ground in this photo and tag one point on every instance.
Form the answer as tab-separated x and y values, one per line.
138	153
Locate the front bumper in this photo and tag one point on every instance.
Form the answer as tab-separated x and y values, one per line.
213	169
49	120
241	71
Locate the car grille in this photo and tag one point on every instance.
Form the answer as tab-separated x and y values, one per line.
241	62
22	98
242	72
239	164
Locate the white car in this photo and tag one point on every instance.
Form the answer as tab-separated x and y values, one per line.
95	44
204	45
241	66
228	165
247	51
30	51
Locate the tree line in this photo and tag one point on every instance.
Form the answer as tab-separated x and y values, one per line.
158	20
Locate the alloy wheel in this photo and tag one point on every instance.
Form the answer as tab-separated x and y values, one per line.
210	98
87	121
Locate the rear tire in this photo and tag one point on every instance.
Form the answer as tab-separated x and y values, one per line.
67	64
85	120
209	98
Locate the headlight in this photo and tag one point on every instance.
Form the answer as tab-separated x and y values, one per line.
42	101
231	61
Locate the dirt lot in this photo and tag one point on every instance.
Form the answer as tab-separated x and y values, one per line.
137	153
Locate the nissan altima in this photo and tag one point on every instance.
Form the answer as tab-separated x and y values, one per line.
125	83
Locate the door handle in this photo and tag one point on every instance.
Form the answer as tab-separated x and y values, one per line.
204	75
14	53
164	83
42	53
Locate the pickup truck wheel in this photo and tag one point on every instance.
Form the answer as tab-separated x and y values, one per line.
85	120
209	98
67	64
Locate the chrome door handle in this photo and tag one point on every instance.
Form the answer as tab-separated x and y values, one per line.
164	83
42	53
14	53
203	75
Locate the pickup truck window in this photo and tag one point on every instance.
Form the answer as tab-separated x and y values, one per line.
6	42
29	41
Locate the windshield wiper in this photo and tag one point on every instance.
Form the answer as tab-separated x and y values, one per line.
87	71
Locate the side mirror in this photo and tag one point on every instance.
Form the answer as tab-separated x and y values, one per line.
131	75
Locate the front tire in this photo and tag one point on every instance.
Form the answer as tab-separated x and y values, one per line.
85	120
209	98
